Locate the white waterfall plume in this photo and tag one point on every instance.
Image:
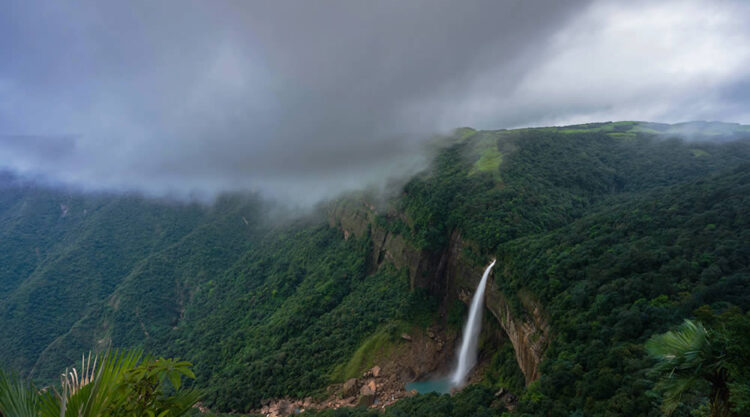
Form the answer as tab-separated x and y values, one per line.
467	356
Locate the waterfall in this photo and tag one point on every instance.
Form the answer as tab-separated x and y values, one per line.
467	356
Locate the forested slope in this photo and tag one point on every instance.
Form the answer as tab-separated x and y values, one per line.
618	230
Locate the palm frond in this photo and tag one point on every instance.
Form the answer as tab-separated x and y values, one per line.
114	383
183	401
71	382
684	358
95	390
675	389
687	342
18	398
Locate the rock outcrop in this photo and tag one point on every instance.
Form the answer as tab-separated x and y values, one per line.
384	383
450	275
529	336
528	331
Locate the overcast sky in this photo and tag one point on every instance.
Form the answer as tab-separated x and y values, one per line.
305	99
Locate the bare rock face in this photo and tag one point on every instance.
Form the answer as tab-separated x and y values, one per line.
529	337
529	334
358	218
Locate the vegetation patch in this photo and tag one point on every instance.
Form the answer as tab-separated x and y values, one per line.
379	345
503	371
484	149
489	161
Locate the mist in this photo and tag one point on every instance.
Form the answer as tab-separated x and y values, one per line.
301	101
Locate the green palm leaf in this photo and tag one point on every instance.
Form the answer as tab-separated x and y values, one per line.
116	384
687	363
18	398
95	392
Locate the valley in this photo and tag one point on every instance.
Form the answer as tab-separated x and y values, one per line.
605	234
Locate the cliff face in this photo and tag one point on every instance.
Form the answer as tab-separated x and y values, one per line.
528	332
529	335
450	274
423	267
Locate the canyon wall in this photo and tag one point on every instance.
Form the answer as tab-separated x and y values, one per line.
450	274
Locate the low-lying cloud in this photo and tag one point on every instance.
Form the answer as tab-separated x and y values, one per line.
302	100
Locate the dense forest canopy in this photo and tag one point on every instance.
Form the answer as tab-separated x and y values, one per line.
619	230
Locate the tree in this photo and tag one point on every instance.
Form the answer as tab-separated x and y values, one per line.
117	384
689	364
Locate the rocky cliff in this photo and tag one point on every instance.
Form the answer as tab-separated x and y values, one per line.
452	273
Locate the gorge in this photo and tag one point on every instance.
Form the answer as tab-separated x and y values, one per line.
603	234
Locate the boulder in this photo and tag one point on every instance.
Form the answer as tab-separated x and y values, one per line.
375	371
366	400
406	337
284	408
350	387
367	389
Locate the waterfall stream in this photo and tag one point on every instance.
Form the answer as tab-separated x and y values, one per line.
467	356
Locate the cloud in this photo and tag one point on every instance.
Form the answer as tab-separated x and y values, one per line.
303	100
668	61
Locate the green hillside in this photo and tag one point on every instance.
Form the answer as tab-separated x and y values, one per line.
605	233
